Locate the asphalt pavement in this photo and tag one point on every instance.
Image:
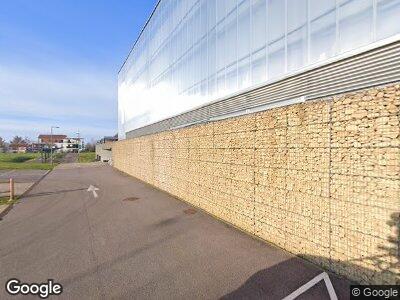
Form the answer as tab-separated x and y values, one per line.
70	158
135	242
21	175
23	181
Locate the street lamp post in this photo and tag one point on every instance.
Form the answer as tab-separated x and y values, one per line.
79	141
51	143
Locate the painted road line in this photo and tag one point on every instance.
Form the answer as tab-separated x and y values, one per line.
323	276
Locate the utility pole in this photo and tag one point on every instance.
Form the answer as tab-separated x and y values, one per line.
51	141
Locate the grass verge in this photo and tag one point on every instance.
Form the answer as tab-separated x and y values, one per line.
22	161
17	157
86	157
25	166
6	201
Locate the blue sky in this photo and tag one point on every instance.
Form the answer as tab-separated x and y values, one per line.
59	61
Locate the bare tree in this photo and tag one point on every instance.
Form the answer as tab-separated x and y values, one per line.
17	141
90	147
3	145
27	140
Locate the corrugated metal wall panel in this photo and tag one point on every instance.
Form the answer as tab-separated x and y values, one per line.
375	67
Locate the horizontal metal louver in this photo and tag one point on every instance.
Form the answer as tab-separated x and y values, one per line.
372	68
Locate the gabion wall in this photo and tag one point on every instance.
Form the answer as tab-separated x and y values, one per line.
320	179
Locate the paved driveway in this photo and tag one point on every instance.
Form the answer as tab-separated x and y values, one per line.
21	175
70	158
23	180
135	242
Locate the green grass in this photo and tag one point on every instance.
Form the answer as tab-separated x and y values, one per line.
86	157
17	157
6	200
19	161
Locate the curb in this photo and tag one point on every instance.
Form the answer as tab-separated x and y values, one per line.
10	206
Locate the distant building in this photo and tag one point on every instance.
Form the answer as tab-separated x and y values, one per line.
70	145
22	149
36	147
18	146
18	149
104	148
60	142
108	139
48	138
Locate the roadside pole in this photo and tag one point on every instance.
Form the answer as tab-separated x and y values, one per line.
51	145
11	189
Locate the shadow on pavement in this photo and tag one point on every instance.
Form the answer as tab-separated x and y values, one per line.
123	259
53	193
284	278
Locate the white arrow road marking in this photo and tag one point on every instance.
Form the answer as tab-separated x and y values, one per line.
93	189
323	276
